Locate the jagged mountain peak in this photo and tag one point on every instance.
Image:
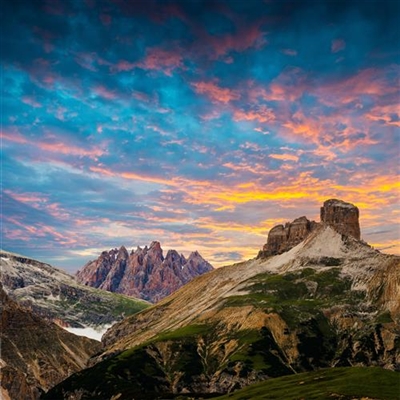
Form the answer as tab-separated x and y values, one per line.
145	273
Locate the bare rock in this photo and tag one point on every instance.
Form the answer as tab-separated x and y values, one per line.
143	273
342	216
282	238
36	354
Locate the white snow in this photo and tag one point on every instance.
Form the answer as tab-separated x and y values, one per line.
90	332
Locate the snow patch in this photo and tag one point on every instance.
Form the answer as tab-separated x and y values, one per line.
89	331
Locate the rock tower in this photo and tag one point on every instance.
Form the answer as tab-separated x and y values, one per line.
341	216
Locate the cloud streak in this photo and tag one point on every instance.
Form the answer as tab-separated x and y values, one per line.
200	125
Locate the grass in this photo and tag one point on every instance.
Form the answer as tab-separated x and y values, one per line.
335	383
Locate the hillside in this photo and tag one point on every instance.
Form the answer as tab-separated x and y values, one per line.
342	383
56	296
36	354
329	301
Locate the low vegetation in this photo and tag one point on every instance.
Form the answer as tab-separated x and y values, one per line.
335	383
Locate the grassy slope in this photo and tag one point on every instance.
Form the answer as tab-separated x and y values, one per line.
335	383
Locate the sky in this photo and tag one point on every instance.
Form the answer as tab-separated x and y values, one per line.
199	124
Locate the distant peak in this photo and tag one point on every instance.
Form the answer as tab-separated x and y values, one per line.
155	245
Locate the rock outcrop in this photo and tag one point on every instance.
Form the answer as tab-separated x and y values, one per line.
144	273
36	354
282	238
341	216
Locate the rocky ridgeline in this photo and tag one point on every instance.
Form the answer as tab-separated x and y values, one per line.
341	216
143	273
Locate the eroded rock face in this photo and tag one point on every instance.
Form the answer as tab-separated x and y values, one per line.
143	273
36	354
282	238
341	216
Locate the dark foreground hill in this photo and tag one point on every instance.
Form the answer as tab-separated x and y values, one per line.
328	301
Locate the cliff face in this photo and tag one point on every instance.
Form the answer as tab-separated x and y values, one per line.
282	238
339	215
144	273
35	354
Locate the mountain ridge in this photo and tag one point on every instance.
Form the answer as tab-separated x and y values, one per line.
56	296
143	273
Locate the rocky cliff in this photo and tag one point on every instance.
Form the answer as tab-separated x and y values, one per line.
341	216
56	296
36	354
330	301
282	238
144	273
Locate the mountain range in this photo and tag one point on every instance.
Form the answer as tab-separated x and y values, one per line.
144	273
317	297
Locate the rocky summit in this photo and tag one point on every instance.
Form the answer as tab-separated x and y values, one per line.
341	216
330	301
144	273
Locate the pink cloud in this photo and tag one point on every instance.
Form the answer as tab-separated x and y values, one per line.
103	92
215	92
289	52
160	59
13	136
123	65
338	45
31	101
245	38
69	149
371	81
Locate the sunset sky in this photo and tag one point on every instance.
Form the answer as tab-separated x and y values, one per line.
200	124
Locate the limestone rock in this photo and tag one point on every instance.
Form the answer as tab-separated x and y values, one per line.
341	216
282	238
144	273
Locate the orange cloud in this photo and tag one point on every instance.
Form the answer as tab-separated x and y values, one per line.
285	157
263	114
216	93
